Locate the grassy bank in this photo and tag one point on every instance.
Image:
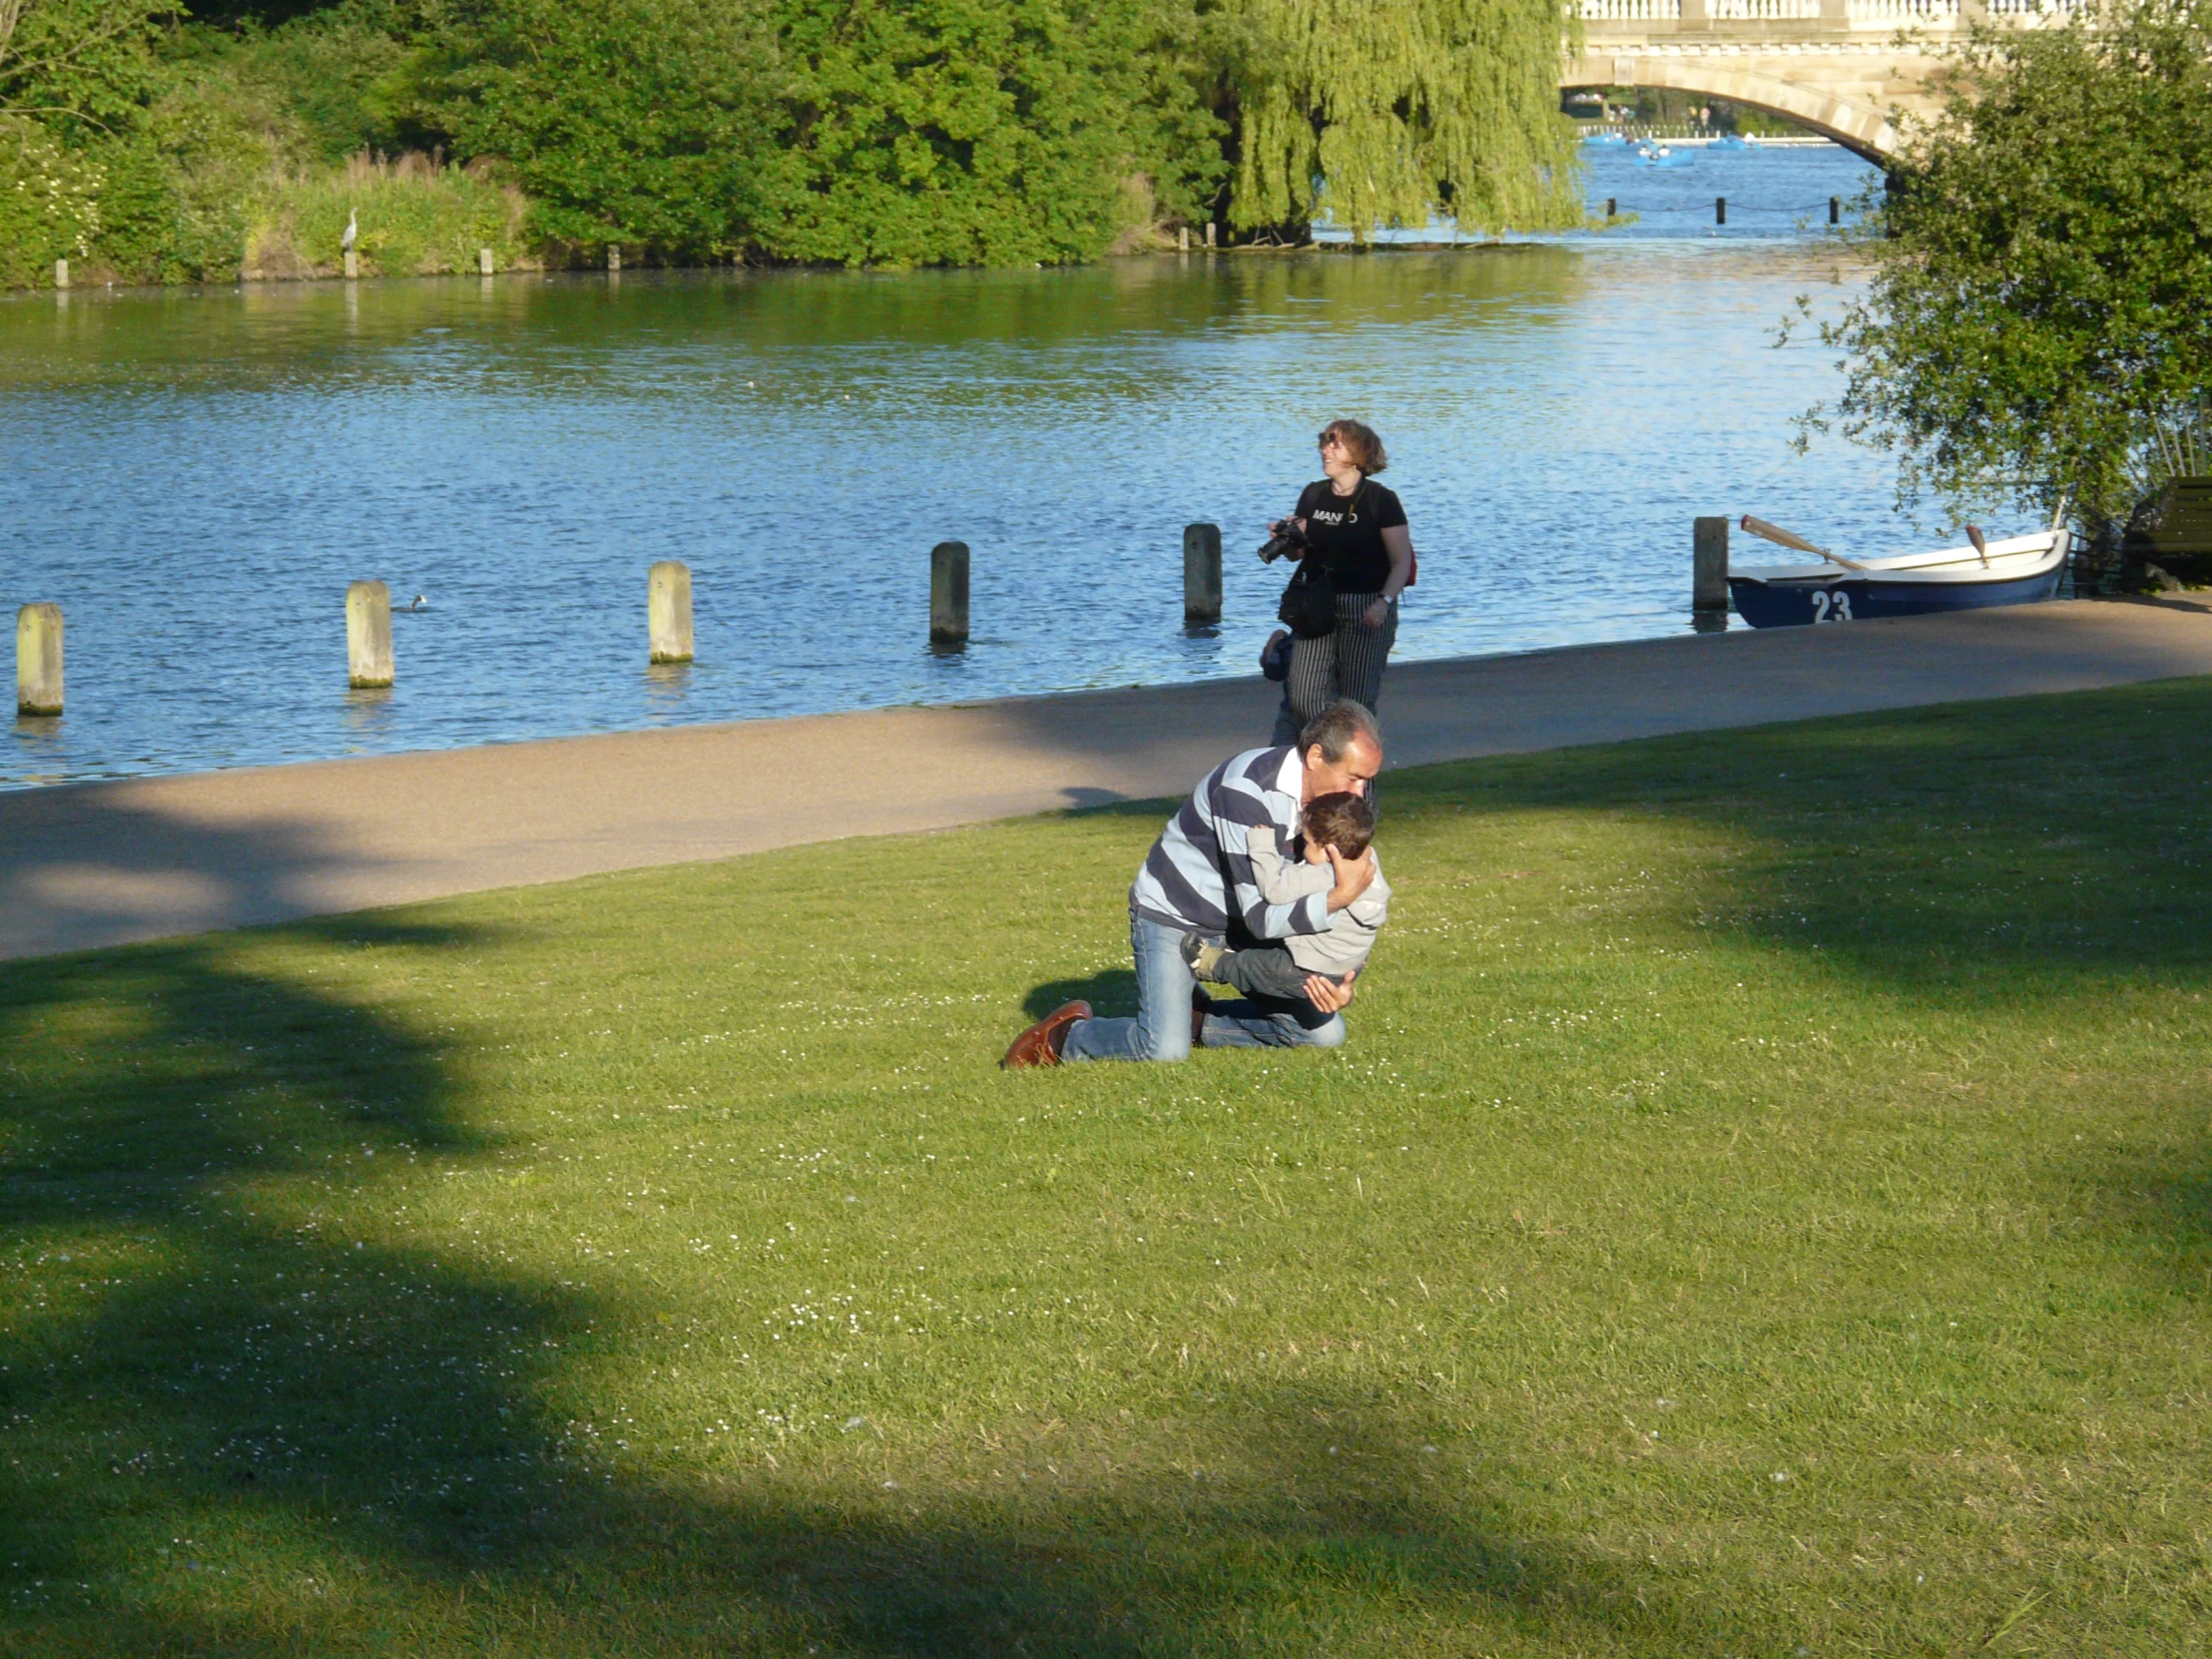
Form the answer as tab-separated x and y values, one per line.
1762	1209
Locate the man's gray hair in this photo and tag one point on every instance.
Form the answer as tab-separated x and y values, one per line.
1337	728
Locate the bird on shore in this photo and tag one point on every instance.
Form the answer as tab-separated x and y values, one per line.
353	229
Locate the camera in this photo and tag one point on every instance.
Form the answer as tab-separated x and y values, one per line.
1287	539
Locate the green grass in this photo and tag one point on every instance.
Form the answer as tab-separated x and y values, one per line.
1762	1209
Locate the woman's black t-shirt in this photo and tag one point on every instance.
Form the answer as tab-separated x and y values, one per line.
1346	531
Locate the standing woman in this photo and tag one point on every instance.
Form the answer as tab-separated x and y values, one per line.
1356	530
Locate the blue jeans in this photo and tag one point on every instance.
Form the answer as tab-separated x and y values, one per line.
1162	1028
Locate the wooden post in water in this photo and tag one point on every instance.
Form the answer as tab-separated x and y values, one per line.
948	599
1720	209
1835	210
1200	573
369	636
483	262
1209	233
61	274
1612	207
352	265
668	612
614	259
38	660
1182	239
1709	572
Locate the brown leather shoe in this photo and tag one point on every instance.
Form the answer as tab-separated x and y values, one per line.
1040	1045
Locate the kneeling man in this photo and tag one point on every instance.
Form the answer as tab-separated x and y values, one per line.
1198	880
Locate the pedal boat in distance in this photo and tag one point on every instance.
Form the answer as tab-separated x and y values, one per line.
2019	570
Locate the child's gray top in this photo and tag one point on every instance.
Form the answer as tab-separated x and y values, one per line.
1351	929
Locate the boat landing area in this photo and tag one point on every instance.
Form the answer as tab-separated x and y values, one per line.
89	865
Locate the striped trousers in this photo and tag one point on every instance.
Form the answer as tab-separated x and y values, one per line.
1346	663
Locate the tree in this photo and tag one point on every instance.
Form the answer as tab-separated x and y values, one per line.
1403	107
627	120
71	64
2039	321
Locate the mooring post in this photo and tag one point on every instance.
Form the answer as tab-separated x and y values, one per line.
352	265
1709	575
61	274
1182	239
948	603
1200	573
1612	207
668	612
369	636
483	262
1835	210
614	257
1209	233
38	660
1720	209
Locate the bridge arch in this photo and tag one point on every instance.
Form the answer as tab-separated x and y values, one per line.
1853	123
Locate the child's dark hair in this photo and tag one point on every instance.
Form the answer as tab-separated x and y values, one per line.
1343	820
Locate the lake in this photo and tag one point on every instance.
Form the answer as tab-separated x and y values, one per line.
195	475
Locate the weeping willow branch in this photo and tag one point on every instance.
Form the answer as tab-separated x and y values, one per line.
1384	112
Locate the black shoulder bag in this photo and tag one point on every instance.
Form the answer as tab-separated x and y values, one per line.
1308	607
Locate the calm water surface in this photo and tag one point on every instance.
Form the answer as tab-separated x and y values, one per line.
195	477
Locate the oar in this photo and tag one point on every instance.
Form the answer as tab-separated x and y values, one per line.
1782	538
1980	543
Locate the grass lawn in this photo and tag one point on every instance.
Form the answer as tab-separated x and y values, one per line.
1762	1209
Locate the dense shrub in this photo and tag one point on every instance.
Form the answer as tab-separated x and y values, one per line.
627	120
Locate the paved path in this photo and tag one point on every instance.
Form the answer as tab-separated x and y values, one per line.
104	863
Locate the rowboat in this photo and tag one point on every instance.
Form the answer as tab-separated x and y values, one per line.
2018	570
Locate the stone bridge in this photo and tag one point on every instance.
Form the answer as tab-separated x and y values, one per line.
1849	69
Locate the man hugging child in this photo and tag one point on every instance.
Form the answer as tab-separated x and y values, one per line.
1342	822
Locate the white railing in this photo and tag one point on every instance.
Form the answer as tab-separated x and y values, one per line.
1761	11
1859	14
1939	14
1630	11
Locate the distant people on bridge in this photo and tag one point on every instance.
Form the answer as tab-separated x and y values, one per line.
1342	607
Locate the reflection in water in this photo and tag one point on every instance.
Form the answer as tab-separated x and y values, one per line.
180	468
666	687
368	717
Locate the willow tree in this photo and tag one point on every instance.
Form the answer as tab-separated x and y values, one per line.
1384	112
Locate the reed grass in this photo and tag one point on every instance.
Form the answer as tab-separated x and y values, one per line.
1762	1209
418	216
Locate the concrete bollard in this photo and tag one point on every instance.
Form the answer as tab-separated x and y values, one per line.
38	660
352	265
1182	239
1709	572
614	257
1200	573
61	274
668	612
483	262
369	636
1720	209
1209	233
948	593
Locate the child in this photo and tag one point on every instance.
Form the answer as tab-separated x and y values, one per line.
1342	822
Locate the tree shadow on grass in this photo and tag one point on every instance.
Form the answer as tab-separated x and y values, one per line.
229	1427
1111	993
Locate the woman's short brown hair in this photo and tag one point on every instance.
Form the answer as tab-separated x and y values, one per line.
1361	444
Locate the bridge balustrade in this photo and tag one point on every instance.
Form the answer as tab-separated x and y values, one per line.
1939	15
